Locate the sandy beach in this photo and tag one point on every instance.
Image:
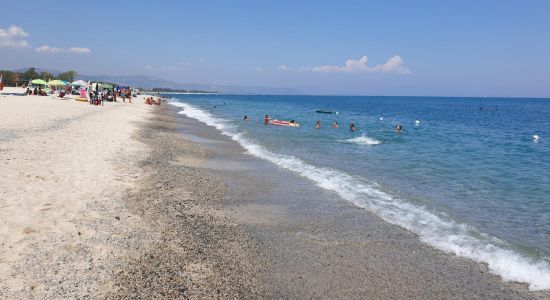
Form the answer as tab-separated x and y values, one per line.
133	201
83	210
65	167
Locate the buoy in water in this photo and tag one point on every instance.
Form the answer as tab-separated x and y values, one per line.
536	137
381	119
417	122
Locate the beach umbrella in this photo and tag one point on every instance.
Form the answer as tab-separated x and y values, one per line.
39	81
56	83
80	83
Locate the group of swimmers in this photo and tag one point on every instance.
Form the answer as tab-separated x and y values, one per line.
352	127
398	128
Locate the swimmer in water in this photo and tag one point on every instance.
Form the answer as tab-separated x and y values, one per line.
245	118
352	127
266	119
398	128
334	124
318	124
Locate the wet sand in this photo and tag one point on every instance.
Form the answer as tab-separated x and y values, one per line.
193	248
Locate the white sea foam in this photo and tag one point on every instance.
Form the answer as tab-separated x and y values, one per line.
437	231
363	140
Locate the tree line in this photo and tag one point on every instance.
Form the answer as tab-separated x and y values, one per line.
11	78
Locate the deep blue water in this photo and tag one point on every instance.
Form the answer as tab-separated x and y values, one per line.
468	181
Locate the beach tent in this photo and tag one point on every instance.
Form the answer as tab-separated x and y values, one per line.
106	86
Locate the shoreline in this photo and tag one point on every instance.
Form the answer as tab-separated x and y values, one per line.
473	279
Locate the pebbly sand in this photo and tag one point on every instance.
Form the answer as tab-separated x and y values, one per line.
133	201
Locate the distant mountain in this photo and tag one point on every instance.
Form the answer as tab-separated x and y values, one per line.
39	70
132	80
149	82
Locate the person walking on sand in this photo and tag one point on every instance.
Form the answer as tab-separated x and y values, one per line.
1	84
318	124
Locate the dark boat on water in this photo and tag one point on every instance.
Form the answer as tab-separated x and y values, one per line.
324	111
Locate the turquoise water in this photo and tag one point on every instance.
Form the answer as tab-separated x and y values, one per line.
467	181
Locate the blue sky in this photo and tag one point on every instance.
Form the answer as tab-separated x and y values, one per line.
450	48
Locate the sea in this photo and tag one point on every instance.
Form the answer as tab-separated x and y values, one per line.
467	175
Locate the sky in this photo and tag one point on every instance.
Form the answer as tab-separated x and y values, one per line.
489	48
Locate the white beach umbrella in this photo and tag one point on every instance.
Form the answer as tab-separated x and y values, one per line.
81	83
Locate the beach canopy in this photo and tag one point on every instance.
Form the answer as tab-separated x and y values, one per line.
57	83
79	83
106	86
38	81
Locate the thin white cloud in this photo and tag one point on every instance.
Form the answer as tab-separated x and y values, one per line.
283	68
202	60
48	49
13	37
79	50
259	69
394	64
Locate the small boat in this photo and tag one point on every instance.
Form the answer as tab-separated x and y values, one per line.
324	111
284	123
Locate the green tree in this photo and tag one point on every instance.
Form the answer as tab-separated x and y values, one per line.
8	77
46	76
67	76
30	74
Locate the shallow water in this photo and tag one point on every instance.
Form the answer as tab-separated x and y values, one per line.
468	181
